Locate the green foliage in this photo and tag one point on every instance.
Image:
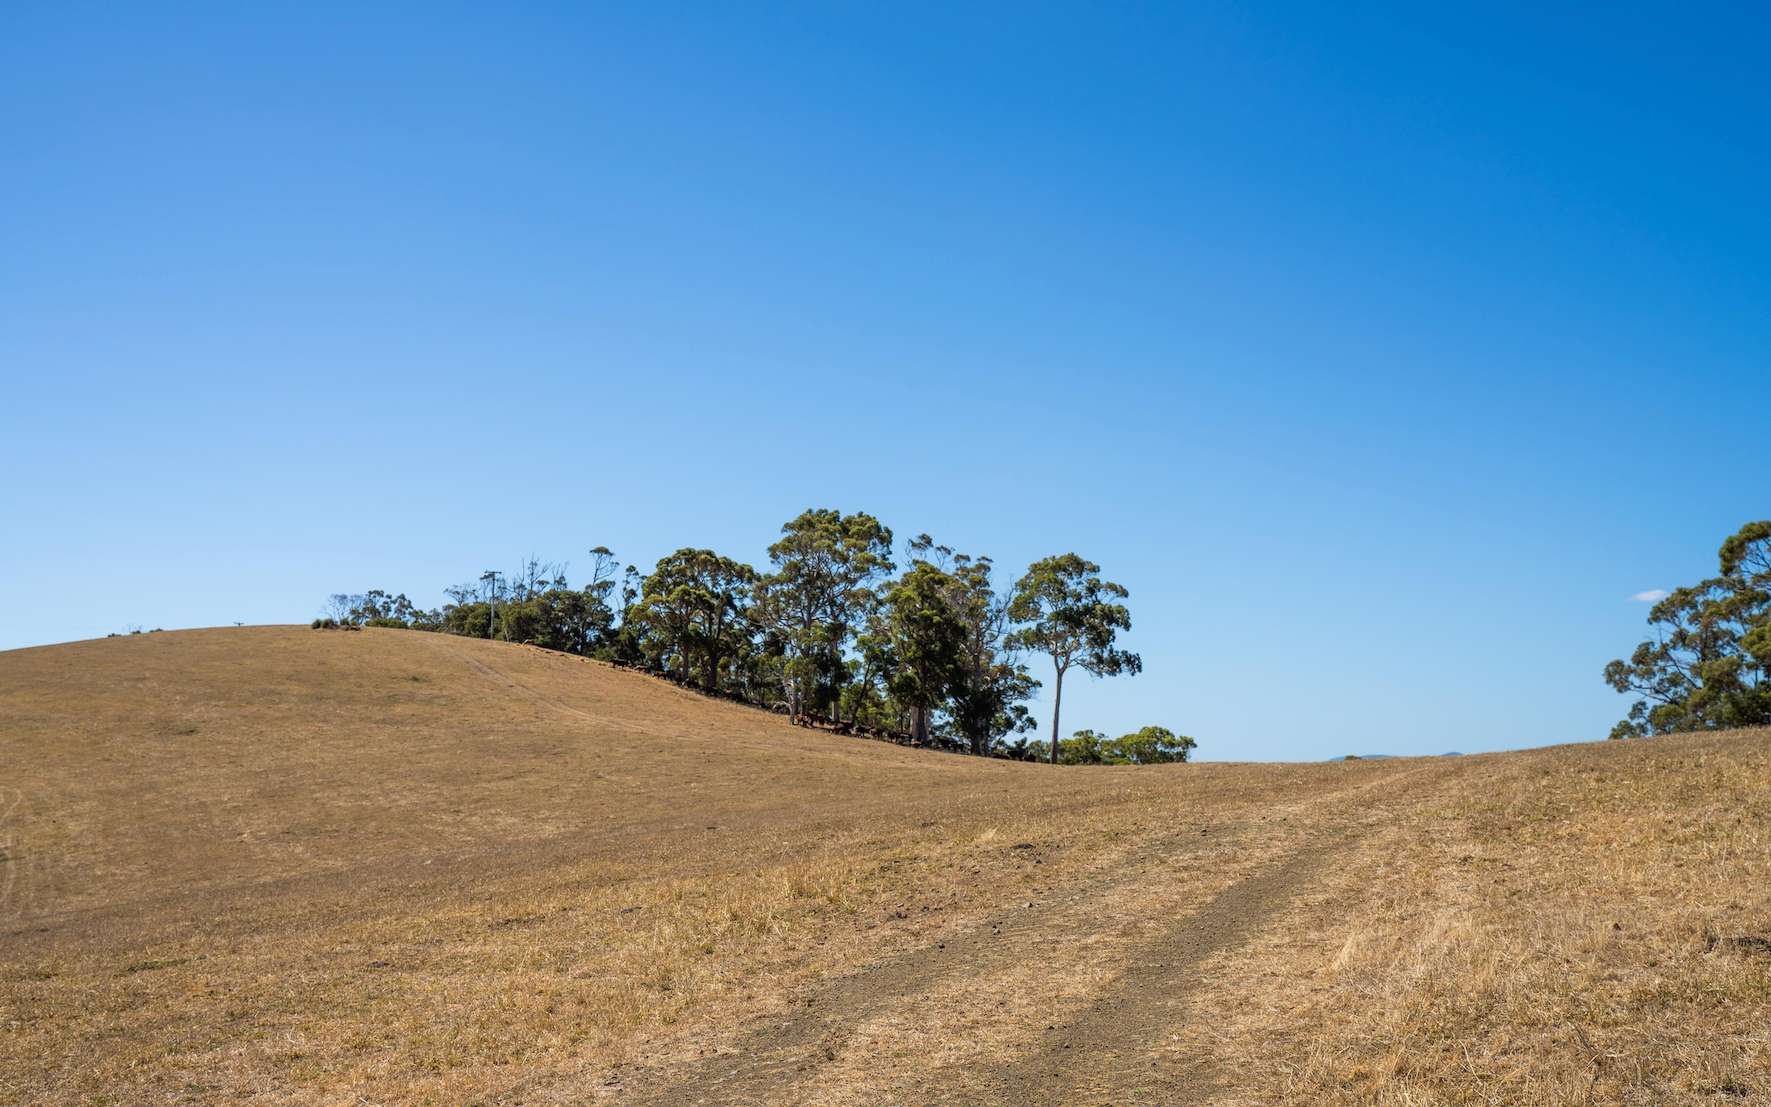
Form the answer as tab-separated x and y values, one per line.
920	640
543	610
941	642
829	634
1708	664
694	612
1085	747
535	605
1152	745
622	644
989	683
376	608
1074	618
826	564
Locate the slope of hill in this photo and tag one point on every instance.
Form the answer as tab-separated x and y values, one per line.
274	865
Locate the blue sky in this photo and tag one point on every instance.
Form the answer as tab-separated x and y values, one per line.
1383	353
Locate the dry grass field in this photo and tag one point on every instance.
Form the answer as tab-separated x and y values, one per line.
275	865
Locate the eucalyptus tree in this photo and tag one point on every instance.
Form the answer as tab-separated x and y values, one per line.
623	643
1151	745
375	608
924	640
990	684
571	620
1073	617
867	696
695	606
1708	662
827	565
340	606
1086	747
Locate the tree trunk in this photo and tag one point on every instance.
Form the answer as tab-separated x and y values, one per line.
710	682
919	725
836	691
1057	703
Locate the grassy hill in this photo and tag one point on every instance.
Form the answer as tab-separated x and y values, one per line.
273	865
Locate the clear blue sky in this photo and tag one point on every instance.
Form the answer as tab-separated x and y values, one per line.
1383	354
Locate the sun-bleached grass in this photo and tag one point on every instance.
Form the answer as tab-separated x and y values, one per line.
269	866
1561	929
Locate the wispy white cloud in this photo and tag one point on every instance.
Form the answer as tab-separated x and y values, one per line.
1653	595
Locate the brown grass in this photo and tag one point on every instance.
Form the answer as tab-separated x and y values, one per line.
284	866
1573	926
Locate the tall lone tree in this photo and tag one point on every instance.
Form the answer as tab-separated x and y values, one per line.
1074	618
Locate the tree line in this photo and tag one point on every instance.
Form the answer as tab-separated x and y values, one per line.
832	634
1707	663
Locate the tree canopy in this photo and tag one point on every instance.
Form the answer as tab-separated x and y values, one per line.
1151	745
826	564
697	605
989	682
921	640
834	634
1707	663
1073	617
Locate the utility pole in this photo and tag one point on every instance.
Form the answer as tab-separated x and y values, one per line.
490	579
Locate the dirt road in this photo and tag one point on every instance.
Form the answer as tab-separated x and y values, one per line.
1069	999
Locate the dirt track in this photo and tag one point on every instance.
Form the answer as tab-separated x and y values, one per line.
1105	1052
1145	947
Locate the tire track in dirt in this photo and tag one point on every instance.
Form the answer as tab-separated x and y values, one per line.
1120	1030
12	903
541	699
524	690
768	1058
1107	1053
771	1059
